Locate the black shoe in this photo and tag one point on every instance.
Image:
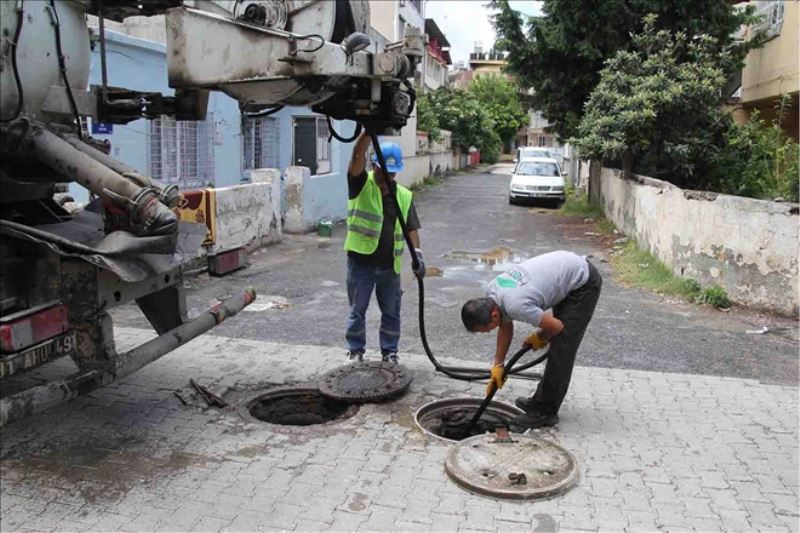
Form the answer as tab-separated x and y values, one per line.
531	420
524	403
354	356
391	357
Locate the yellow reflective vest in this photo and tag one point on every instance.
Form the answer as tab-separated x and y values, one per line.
365	220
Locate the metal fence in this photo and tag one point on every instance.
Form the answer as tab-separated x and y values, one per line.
182	152
260	142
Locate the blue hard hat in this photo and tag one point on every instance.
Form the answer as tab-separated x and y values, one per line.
393	156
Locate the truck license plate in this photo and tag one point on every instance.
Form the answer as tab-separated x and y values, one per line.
43	352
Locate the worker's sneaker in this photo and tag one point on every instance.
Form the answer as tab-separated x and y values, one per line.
355	356
531	420
525	403
391	358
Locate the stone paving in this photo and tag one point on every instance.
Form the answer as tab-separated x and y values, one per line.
657	451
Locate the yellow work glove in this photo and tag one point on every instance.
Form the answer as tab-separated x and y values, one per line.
535	341
497	380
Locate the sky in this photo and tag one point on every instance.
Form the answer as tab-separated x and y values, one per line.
465	21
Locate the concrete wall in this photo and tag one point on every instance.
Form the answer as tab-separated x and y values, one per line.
247	215
747	246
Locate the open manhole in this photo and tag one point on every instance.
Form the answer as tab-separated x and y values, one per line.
517	467
449	419
298	406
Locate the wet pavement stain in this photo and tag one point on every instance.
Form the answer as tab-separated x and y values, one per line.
358	503
494	256
433	272
102	472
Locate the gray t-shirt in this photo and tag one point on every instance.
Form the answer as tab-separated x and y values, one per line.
526	290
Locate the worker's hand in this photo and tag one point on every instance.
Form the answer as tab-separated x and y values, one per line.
420	270
497	380
535	341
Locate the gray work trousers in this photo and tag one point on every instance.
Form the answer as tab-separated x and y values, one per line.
575	311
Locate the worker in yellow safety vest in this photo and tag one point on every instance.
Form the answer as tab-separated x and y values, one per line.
375	247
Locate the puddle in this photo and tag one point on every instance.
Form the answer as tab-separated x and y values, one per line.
434	272
496	257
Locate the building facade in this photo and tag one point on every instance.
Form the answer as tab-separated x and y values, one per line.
773	70
437	57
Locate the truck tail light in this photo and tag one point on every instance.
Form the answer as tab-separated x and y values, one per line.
31	326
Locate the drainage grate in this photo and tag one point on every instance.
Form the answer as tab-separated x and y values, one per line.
449	419
298	406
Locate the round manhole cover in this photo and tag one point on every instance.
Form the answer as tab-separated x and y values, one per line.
370	381
524	468
449	419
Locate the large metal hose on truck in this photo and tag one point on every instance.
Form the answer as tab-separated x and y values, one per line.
43	397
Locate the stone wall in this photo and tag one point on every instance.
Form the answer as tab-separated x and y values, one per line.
747	246
247	215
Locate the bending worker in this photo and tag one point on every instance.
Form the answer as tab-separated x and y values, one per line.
567	284
375	247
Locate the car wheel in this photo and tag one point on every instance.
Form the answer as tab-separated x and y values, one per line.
511	200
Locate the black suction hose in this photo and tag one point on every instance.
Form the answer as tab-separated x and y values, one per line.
461	373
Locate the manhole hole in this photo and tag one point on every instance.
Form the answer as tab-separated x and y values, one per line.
370	381
522	468
298	406
449	419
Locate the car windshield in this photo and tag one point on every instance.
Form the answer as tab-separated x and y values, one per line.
535	153
535	168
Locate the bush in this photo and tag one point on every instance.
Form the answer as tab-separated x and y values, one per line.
715	296
426	119
490	149
757	160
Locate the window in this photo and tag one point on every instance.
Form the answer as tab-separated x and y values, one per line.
770	14
323	147
401	28
181	152
531	168
260	142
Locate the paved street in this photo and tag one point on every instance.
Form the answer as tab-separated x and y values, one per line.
679	418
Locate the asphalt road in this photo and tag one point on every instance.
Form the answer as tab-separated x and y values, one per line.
632	328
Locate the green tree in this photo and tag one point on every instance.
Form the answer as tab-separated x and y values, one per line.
500	98
426	119
458	111
659	106
560	54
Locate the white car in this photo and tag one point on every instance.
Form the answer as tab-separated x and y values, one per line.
537	179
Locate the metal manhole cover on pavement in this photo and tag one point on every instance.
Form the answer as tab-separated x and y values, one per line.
369	381
525	468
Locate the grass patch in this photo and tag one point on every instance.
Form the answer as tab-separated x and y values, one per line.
427	183
641	268
715	296
606	227
578	205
